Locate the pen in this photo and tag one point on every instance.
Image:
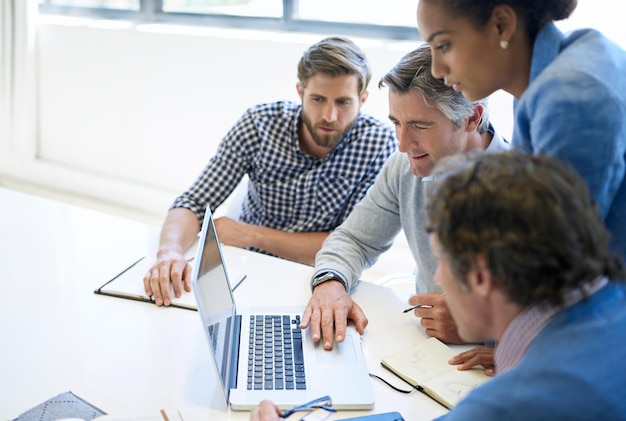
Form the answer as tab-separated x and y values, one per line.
417	306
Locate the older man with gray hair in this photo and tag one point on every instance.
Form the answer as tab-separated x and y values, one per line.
431	121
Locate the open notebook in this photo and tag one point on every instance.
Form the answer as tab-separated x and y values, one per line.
129	284
425	366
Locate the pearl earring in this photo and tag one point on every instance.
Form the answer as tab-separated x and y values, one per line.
504	44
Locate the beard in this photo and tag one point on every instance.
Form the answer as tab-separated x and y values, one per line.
327	140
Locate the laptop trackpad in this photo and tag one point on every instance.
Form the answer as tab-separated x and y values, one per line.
341	353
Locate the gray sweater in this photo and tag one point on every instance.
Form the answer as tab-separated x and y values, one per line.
395	201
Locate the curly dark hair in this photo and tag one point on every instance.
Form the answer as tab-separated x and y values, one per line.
531	217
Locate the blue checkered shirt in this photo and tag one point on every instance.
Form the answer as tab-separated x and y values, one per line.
288	189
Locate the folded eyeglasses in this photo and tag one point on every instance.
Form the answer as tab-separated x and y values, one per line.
324	403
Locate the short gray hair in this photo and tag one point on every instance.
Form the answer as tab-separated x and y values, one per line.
413	74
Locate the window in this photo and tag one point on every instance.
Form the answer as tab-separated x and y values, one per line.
391	12
103	4
368	18
261	8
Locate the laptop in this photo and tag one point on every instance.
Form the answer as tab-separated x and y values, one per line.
261	352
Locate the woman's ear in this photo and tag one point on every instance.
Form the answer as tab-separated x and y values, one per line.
505	21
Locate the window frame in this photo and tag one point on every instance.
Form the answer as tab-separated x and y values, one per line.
151	11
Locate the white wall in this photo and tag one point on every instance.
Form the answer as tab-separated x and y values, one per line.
130	114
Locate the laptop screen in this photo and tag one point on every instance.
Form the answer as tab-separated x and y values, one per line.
215	300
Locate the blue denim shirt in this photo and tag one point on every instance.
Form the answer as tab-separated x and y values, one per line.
575	109
569	372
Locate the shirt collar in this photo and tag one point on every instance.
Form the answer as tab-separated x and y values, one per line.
498	143
546	48
524	328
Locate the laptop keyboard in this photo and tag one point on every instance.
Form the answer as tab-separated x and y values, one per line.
275	360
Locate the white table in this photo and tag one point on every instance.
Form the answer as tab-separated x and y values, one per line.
131	358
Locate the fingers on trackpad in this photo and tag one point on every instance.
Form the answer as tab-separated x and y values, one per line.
341	352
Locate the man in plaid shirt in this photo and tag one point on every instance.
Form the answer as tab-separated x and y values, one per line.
308	165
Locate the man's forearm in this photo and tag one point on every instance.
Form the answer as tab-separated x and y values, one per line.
297	246
179	231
